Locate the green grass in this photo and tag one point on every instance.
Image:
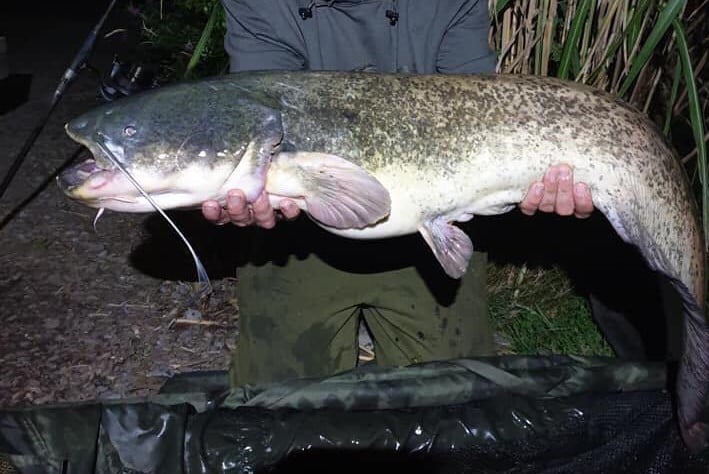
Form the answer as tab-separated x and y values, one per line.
538	312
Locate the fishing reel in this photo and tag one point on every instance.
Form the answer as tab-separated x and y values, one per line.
126	78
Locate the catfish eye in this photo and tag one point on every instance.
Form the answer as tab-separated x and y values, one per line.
129	131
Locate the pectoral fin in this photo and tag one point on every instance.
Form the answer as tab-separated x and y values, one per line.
451	246
250	174
332	190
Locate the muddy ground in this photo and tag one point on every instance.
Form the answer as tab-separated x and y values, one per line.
89	314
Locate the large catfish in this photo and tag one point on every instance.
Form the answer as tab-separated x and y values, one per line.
371	156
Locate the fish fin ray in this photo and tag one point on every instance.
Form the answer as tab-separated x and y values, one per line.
336	192
251	173
451	246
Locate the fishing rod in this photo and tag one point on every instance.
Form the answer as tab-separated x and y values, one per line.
77	64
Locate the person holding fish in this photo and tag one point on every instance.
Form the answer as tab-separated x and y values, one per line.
405	36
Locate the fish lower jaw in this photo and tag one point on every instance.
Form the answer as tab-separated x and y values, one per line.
187	189
165	200
120	205
138	203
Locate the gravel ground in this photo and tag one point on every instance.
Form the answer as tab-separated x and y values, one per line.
90	314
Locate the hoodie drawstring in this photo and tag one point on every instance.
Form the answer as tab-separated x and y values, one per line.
307	12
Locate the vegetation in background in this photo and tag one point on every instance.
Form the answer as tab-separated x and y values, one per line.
651	53
181	38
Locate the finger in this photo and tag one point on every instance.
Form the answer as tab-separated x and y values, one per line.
212	211
289	209
584	202
565	192
551	185
224	218
238	209
530	203
263	212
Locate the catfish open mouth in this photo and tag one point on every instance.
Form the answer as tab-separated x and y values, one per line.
87	175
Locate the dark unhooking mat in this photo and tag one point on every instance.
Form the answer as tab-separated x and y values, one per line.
508	414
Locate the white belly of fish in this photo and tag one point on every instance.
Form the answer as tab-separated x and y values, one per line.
417	195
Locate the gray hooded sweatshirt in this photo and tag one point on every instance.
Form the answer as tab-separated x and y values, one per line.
409	36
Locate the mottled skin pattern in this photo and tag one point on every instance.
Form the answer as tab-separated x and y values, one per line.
451	147
514	126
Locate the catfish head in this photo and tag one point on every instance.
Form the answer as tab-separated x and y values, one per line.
181	143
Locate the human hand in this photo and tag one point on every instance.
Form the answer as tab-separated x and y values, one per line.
557	193
242	214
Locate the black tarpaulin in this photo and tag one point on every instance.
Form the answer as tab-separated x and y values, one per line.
504	414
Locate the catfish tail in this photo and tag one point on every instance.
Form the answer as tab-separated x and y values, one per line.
693	378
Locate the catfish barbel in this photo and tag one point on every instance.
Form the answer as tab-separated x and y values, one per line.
371	156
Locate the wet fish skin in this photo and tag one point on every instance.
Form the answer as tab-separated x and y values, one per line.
430	150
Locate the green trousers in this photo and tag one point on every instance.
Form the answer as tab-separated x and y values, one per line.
299	314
